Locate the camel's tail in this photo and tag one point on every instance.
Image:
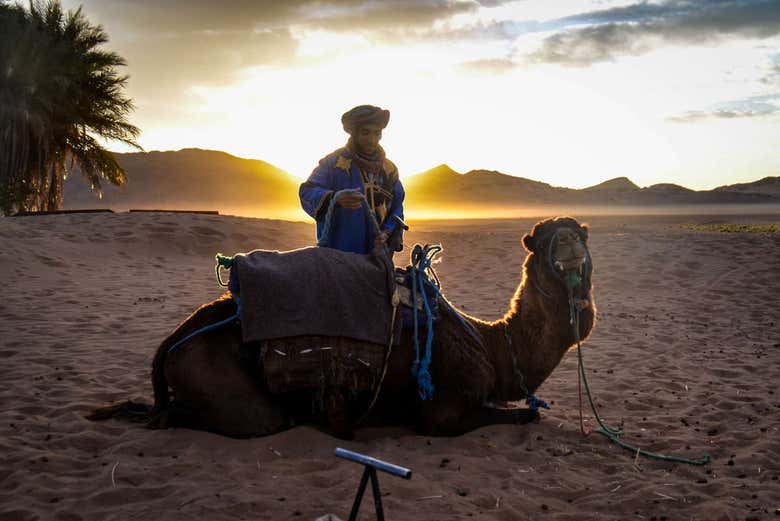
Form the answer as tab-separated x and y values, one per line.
140	412
159	414
129	410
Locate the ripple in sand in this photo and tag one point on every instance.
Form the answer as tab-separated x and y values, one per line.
203	230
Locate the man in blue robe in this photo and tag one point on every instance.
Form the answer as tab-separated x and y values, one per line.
360	166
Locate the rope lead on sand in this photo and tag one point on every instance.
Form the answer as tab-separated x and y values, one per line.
612	435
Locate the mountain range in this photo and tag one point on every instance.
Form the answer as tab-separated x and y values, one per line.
191	179
214	180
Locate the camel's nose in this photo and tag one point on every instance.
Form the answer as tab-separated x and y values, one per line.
570	253
572	263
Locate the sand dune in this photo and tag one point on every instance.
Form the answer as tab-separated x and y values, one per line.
686	353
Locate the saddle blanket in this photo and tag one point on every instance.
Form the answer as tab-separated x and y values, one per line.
314	291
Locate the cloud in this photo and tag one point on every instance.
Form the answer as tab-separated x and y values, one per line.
753	107
175	16
495	66
209	56
153	16
695	115
639	28
178	43
390	17
772	77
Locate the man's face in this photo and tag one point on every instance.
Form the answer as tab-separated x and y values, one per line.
367	138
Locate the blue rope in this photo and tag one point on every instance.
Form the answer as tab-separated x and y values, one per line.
324	238
422	274
534	403
416	363
175	346
424	380
422	258
421	261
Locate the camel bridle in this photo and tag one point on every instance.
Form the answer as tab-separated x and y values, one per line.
571	278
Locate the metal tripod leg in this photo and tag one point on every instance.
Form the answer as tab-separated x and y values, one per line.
368	473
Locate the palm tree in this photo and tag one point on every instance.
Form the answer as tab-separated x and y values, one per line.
58	93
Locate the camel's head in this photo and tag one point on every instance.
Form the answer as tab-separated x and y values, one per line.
560	246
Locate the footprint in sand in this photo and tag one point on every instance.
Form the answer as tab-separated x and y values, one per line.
54	263
495	252
157	229
203	230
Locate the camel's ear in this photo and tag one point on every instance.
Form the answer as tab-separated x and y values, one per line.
584	233
529	242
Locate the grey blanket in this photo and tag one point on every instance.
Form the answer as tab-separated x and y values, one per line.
314	291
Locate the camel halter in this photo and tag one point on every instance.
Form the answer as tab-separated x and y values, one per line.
585	269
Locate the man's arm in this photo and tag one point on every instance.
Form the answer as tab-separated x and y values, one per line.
392	229
396	208
316	191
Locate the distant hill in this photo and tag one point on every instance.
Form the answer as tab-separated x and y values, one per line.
618	184
767	185
211	180
191	179
442	187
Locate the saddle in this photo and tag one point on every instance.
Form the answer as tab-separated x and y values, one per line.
323	318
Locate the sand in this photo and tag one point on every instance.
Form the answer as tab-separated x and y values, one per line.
686	354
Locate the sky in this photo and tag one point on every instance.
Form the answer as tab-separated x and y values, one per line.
567	92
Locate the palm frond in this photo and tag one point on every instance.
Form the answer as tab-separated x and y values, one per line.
59	92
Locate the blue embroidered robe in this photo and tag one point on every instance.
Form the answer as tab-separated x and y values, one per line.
352	230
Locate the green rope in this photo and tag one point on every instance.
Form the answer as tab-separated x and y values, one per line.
613	435
223	261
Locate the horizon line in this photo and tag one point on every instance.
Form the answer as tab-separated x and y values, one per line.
472	171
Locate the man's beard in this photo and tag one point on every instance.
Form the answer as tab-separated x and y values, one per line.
369	153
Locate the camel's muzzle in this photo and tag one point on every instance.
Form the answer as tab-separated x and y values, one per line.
570	264
568	251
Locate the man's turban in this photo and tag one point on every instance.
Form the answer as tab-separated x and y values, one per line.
364	115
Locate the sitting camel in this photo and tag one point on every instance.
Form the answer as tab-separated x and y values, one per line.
218	382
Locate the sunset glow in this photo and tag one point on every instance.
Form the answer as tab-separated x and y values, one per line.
526	88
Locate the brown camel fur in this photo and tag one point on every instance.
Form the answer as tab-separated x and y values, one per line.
218	382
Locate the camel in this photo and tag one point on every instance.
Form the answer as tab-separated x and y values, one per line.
216	383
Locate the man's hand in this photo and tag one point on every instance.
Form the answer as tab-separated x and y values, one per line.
351	201
380	239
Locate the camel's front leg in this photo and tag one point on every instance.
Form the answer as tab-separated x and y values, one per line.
485	415
446	420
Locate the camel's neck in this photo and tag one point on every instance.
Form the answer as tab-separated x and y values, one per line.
530	341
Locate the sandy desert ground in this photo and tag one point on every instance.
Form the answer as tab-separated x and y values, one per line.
686	353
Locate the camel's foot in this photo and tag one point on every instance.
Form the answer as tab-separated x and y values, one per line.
485	416
497	415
